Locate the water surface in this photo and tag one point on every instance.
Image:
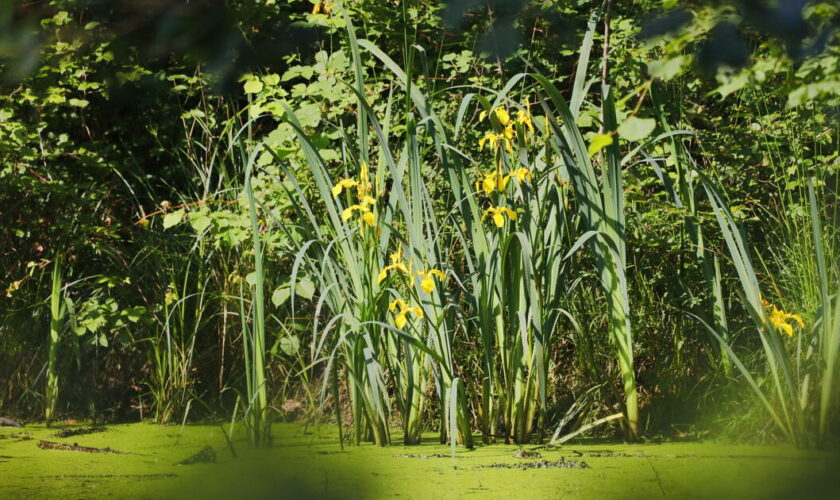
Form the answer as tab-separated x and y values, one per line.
307	462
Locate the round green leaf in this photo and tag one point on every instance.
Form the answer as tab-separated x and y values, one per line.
173	218
290	345
199	222
253	87
281	295
305	288
634	129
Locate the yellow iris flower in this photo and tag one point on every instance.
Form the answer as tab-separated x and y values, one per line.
396	264
428	283
493	141
364	181
342	185
508	133
400	319
780	319
396	256
524	119
492	182
521	174
495	181
363	189
399	266
498	214
501	115
504	138
366	215
368	218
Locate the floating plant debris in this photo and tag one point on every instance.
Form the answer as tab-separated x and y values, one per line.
520	453
541	464
20	436
50	445
432	455
110	476
64	433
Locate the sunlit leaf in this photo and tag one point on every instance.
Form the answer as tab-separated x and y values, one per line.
253	87
635	129
200	222
173	218
305	288
281	295
598	143
666	69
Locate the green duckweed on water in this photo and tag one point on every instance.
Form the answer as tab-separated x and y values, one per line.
308	462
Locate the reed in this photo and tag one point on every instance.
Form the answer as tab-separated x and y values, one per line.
56	316
256	411
600	203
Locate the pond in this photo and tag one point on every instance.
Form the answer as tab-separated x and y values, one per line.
307	462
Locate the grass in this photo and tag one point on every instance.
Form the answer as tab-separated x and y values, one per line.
800	383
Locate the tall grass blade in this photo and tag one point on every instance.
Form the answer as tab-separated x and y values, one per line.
51	392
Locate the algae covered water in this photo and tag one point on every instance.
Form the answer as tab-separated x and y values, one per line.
140	461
